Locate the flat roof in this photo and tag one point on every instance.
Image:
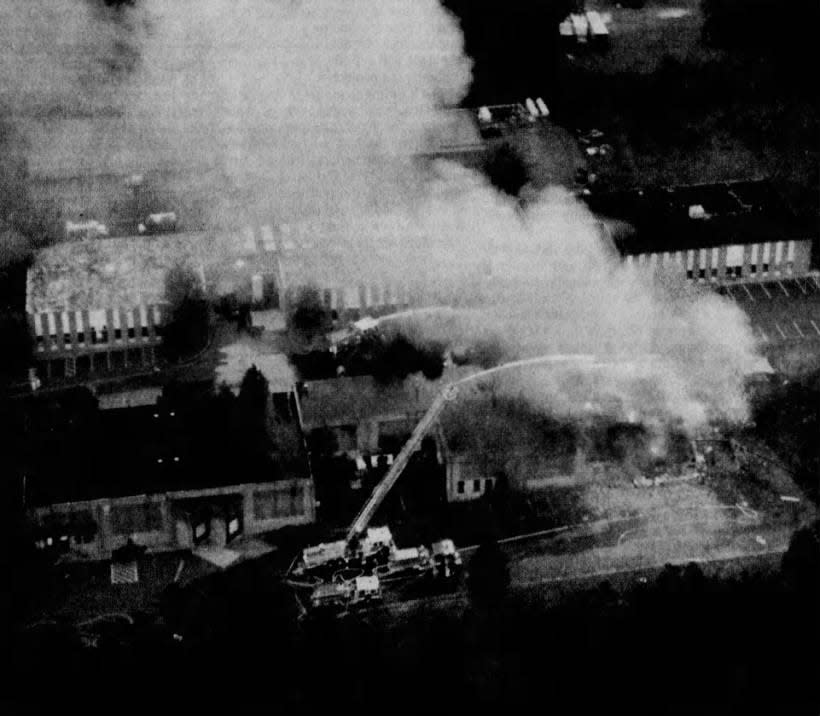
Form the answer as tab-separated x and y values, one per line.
700	216
347	400
130	451
106	273
688	234
456	131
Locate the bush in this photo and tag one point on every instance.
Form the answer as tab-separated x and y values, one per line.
16	354
489	576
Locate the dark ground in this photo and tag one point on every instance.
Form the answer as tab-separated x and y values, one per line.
684	644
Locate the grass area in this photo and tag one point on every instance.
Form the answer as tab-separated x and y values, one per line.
676	111
640	39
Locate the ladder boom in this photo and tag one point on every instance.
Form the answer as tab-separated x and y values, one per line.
380	492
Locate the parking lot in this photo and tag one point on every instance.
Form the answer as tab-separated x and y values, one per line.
786	309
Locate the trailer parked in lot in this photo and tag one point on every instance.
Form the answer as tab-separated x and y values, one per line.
159	223
85	230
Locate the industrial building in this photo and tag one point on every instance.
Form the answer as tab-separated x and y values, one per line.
98	305
582	28
371	422
365	417
151	472
716	233
173	519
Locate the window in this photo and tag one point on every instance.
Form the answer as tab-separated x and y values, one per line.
460	487
131	334
201	531
93	336
104	335
67	339
690	274
488	484
765	268
145	331
39	343
476	485
157	329
118	334
81	337
753	269
728	272
738	271
702	273
714	272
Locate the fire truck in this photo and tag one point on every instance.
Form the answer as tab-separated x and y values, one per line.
371	552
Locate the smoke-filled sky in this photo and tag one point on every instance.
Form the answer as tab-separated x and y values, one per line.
315	108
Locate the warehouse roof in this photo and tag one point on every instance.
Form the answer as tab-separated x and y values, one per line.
154	448
700	216
351	399
101	273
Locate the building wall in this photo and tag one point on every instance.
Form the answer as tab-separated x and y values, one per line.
100	339
354	300
153	521
465	481
734	262
365	435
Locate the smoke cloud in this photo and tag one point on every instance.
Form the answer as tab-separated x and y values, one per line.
296	109
310	108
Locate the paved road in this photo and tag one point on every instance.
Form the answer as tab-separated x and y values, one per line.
553	589
781	310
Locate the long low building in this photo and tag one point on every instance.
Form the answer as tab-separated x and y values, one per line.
181	519
718	233
99	305
149	469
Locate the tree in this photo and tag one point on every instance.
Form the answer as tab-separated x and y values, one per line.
746	27
189	324
801	563
308	315
255	410
506	170
489	575
16	354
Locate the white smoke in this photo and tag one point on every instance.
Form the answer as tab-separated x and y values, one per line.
312	108
315	108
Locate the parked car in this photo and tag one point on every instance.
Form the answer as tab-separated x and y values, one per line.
447	563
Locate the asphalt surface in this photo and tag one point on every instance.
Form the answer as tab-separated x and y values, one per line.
552	564
552	590
781	311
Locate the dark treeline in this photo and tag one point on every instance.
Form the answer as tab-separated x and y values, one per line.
513	45
684	643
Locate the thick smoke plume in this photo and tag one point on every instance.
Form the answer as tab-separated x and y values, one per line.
313	109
